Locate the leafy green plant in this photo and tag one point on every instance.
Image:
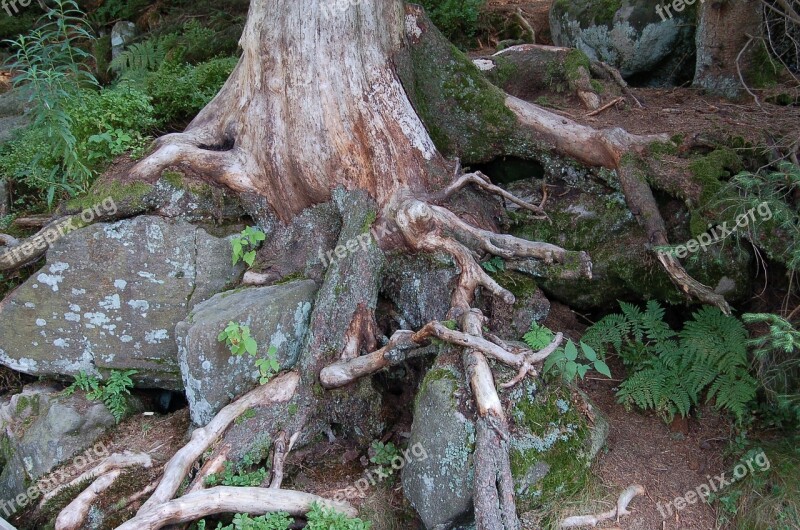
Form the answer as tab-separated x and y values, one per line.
566	361
113	393
383	454
238	477
772	190
50	65
244	246
239	341
320	518
181	90
670	371
457	19
777	368
242	521
268	366
496	264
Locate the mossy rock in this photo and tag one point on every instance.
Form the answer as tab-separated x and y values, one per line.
594	217
630	35
552	443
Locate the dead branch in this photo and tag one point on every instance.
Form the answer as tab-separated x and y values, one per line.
605	107
618	511
226	499
483	182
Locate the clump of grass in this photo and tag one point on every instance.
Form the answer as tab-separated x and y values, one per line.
770	499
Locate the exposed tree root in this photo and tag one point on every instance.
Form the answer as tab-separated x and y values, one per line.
226	499
282	447
73	516
618	511
643	205
112	463
279	390
483	182
213	465
598	148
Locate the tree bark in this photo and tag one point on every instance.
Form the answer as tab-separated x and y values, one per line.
726	38
314	103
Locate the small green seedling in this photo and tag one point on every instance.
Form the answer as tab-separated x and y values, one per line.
244	246
237	338
268	366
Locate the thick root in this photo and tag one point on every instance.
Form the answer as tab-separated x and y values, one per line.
225	499
279	390
619	510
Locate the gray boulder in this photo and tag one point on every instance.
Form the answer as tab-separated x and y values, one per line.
629	35
41	429
440	486
551	437
110	296
122	33
277	315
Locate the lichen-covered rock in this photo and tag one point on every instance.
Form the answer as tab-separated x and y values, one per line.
109	297
552	444
629	35
277	315
40	429
591	215
122	34
419	286
440	486
512	321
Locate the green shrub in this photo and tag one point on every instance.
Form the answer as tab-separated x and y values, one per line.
51	61
180	91
242	521
566	361
777	356
100	126
457	19
669	371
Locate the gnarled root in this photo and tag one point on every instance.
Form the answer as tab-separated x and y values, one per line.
73	516
618	511
226	499
112	463
643	205
279	390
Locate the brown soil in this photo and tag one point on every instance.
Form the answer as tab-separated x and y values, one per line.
668	461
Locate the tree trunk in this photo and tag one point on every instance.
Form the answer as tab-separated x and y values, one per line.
727	37
313	103
314	111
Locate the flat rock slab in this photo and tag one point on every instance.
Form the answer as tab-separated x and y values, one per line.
110	296
277	315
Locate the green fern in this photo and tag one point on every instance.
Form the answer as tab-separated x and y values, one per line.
148	55
671	371
113	393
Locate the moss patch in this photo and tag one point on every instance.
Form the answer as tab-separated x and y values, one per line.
130	195
709	170
555	435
